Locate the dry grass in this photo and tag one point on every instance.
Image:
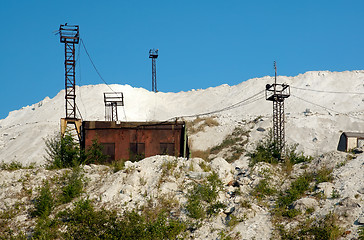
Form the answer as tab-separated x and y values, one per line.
199	124
201	154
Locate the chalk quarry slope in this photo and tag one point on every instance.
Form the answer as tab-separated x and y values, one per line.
329	106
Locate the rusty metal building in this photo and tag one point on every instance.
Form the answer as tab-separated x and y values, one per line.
136	140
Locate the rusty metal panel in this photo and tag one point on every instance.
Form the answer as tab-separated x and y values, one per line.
133	140
167	149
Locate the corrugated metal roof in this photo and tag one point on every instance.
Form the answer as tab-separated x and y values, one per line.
354	134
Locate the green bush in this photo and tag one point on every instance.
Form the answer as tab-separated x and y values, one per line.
46	228
296	190
213	209
94	154
62	152
265	151
324	175
325	229
263	189
44	203
201	195
84	222
361	233
73	185
293	157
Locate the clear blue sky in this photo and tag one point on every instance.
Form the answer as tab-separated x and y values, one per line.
202	43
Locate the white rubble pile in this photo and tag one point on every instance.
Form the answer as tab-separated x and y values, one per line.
317	113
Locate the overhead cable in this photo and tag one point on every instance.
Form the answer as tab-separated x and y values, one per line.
326	108
235	105
97	71
336	92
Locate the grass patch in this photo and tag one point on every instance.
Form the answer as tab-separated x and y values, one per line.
199	124
234	144
14	165
201	154
326	228
263	189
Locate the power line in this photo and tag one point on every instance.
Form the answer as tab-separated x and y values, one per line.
246	101
336	92
97	71
328	109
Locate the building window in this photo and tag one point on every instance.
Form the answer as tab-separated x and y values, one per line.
108	149
136	151
167	149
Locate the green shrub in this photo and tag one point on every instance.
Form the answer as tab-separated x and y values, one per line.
213	209
263	189
47	228
361	233
324	175
201	195
84	222
62	152
294	157
73	185
325	229
265	151
296	190
44	203
94	154
118	165
195	208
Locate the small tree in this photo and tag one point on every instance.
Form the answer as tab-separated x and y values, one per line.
94	154
265	151
44	203
62	152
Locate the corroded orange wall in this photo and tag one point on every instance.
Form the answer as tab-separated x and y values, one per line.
122	137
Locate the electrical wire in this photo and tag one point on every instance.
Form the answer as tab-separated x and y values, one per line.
94	66
97	71
78	64
336	92
326	108
235	105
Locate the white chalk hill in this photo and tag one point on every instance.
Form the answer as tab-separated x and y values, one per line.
330	107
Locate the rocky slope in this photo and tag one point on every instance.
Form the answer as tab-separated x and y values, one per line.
332	103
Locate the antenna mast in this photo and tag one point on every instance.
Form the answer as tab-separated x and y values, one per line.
153	54
69	35
277	93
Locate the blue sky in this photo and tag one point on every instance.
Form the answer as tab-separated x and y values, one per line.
202	43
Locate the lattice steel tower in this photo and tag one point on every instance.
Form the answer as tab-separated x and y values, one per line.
153	54
277	93
69	35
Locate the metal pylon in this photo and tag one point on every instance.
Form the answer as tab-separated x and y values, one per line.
277	93
69	35
154	75
278	126
70	83
153	54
